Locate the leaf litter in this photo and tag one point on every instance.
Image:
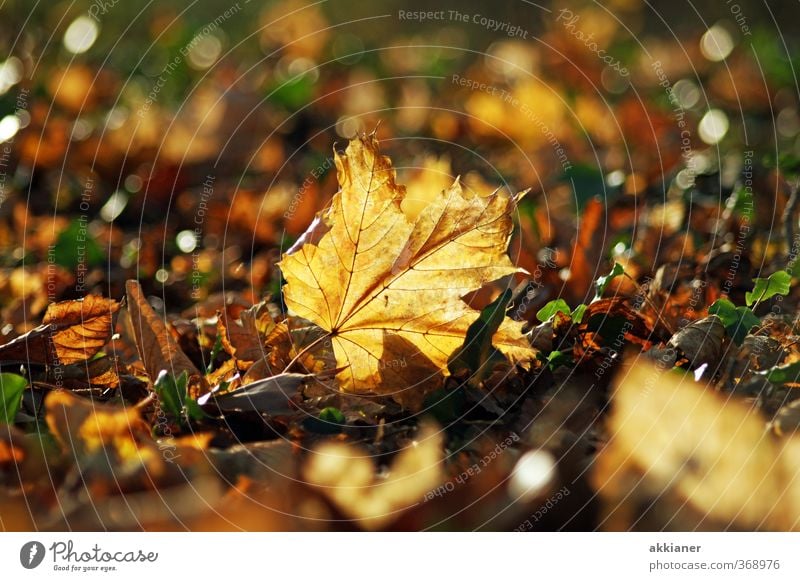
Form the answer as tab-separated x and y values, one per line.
373	391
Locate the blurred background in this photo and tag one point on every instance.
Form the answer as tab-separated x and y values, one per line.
188	144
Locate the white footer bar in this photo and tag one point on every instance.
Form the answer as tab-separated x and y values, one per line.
401	556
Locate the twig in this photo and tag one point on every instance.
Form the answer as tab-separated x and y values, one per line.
788	223
650	303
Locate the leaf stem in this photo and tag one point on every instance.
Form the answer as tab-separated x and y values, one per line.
649	302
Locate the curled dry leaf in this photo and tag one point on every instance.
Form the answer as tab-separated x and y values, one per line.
244	339
701	341
271	395
638	329
100	372
678	442
71	331
345	475
157	347
387	290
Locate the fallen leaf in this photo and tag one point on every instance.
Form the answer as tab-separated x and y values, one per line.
675	442
425	185
587	250
270	395
244	339
388	291
83	427
701	341
157	347
71	331
100	372
345	475
284	346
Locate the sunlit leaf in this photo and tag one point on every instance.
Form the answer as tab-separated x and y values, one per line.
387	291
549	311
71	332
777	283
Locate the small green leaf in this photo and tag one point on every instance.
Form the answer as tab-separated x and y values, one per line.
725	310
602	282
777	283
332	415
577	314
192	409
168	395
737	320
330	421
780	374
477	349
174	397
549	311
11	388
557	358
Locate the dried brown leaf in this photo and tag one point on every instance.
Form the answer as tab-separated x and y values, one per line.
71	331
157	347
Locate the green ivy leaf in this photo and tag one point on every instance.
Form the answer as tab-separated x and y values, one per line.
780	374
11	388
602	282
777	283
549	311
737	320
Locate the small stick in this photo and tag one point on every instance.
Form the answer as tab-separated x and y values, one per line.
788	223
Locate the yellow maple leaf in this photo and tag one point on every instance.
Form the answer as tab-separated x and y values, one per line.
388	290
